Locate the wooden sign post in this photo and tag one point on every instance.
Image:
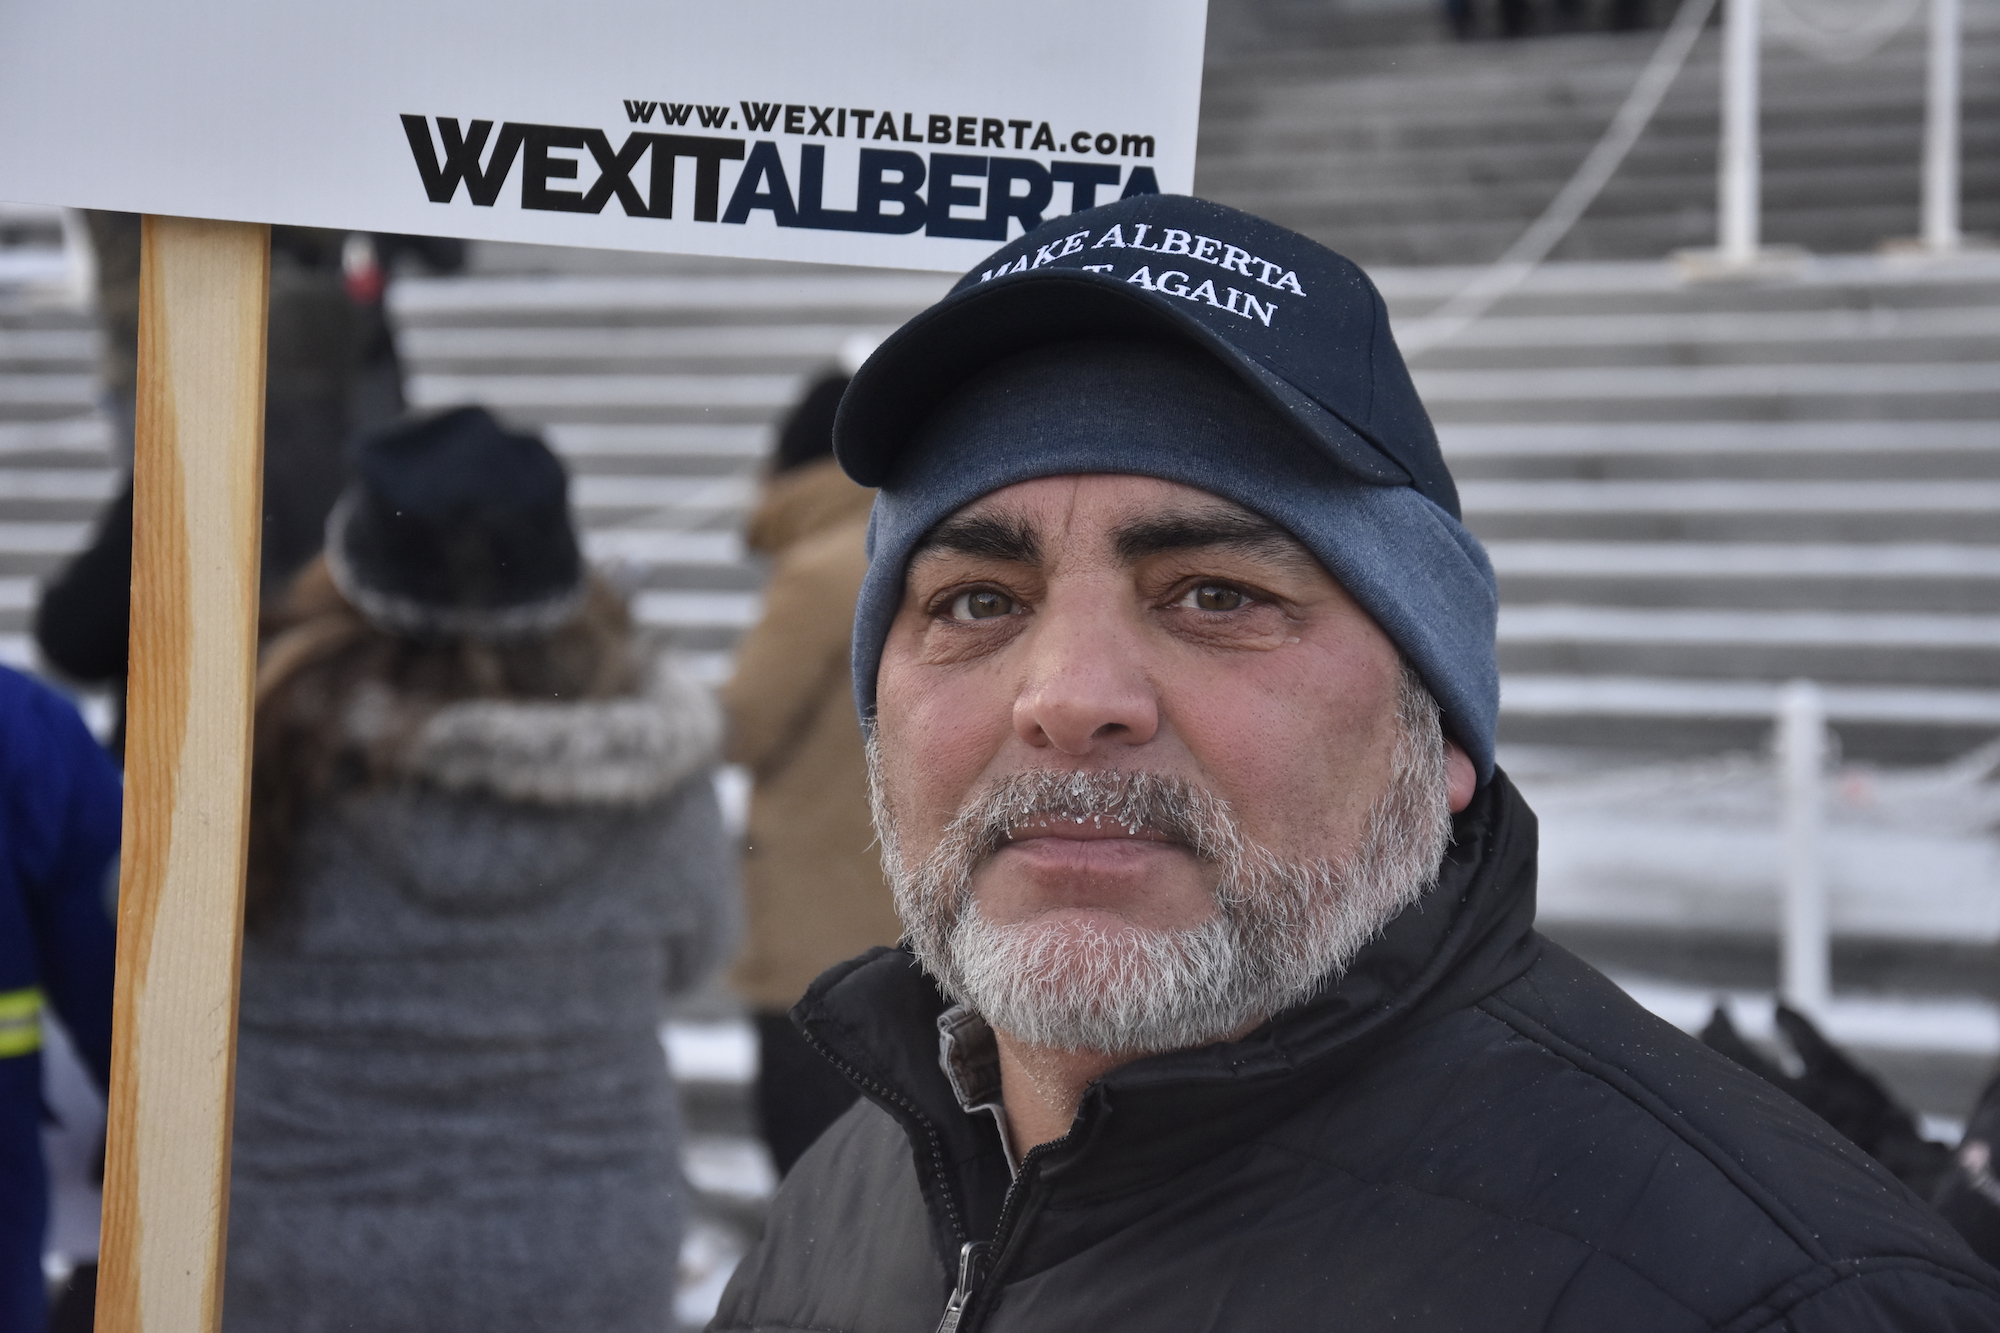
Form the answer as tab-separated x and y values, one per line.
196	518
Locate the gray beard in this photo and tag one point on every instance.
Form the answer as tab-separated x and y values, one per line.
1282	928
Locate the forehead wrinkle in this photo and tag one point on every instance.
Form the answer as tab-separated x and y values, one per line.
1209	527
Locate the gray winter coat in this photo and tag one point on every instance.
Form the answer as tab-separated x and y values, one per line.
452	1109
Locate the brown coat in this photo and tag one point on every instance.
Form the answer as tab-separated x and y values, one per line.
812	878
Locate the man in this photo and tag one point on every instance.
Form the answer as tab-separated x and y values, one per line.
1221	1005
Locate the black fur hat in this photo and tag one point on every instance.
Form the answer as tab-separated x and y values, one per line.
455	525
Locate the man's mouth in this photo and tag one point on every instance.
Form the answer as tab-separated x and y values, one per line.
1085	828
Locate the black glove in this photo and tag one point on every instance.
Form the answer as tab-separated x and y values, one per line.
1970	1195
1844	1095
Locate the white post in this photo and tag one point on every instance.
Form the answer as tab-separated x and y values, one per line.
1941	113
1737	191
1804	942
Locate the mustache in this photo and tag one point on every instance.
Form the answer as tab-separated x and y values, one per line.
1160	803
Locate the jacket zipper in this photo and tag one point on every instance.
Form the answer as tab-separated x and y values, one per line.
971	1253
972	1256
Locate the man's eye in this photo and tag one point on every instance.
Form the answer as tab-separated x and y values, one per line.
983	604
1213	597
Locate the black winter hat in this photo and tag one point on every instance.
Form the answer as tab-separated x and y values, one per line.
455	525
807	434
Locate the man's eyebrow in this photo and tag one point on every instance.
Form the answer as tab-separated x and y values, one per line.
1231	529
985	536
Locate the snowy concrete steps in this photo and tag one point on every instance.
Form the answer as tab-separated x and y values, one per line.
1722	450
53	482
782	293
1831	646
32	350
1724	511
1691	493
1869	128
721	349
1426	151
1544	139
1819	190
1828	390
1841	341
1663	533
1751	576
1789	345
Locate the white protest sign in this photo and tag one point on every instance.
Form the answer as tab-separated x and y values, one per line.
909	133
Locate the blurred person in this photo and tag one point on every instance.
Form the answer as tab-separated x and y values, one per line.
114	244
812	881
485	847
331	368
1221	1004
59	829
369	261
1515	18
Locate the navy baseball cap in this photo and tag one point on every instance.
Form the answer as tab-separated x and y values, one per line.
1302	326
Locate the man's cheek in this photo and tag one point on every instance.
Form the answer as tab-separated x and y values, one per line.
954	733
930	771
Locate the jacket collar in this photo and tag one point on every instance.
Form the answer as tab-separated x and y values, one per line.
876	1017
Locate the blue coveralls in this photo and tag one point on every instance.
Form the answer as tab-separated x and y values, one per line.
60	802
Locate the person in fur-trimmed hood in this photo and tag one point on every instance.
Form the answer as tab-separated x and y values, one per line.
485	846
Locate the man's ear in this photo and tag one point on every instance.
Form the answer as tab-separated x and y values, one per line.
1461	780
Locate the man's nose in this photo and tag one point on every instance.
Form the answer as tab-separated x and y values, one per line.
1087	685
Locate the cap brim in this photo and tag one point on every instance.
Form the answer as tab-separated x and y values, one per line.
920	364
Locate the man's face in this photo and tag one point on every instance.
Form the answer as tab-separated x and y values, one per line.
1114	625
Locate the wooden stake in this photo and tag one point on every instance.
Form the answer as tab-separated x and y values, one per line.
198	488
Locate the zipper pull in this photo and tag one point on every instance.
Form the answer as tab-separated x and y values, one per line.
971	1259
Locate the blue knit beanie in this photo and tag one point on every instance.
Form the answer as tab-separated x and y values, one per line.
1299	410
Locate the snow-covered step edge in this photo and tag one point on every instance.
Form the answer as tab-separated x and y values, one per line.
1737	628
1655	697
1565	439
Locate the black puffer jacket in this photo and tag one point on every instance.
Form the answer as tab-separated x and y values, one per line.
1472	1131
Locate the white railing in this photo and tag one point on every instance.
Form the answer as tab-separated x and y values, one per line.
1941	111
1804	940
1738	185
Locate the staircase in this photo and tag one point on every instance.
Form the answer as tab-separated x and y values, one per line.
1692	493
1365	130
